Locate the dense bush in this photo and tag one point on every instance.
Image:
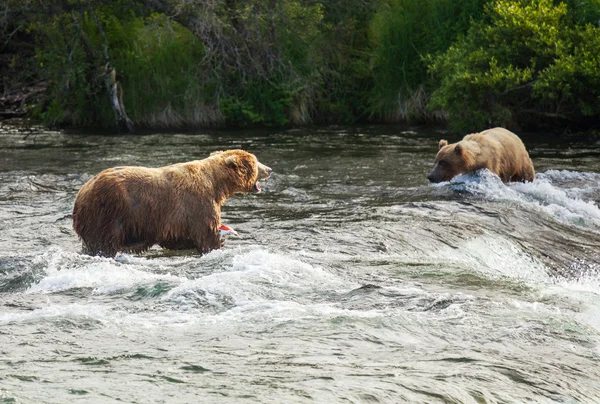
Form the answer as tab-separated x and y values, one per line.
570	86
156	61
267	60
252	65
528	63
278	62
403	32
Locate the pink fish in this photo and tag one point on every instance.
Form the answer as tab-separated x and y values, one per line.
225	230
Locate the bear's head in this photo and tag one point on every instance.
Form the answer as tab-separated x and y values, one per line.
453	159
244	169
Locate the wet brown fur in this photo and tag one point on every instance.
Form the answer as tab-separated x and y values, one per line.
129	209
499	150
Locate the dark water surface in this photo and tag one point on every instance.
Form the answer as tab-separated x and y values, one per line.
354	280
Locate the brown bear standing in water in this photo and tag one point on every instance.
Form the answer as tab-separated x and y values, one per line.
129	209
498	150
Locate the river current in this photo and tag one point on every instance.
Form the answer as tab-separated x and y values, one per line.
353	279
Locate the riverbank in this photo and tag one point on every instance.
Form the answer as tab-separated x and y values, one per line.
20	88
121	66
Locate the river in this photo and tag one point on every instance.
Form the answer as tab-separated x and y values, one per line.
353	279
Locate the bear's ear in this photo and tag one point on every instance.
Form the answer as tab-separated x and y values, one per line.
458	149
442	143
232	161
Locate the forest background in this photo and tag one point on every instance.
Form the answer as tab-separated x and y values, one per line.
471	64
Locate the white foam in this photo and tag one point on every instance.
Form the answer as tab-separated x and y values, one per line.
561	203
581	277
558	202
51	311
582	285
590	180
259	276
105	314
583	291
238	277
66	270
264	286
495	258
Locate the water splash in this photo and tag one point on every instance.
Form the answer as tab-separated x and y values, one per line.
51	311
496	258
549	193
66	270
260	276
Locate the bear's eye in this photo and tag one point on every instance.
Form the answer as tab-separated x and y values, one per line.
443	163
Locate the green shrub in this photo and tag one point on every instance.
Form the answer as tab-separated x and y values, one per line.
346	79
403	32
156	62
162	79
261	102
526	63
278	66
278	62
242	63
61	55
570	86
583	11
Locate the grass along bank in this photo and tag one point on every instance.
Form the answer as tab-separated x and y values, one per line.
171	64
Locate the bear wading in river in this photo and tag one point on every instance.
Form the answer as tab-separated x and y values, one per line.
499	150
129	209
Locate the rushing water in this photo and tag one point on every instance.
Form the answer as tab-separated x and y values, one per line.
354	279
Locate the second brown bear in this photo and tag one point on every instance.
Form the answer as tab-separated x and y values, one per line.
499	150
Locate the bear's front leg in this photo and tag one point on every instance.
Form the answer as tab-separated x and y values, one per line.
208	240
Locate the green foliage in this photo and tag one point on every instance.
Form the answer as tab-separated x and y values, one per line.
571	85
156	61
262	102
62	56
282	62
240	112
343	93
263	61
583	11
527	63
277	73
403	32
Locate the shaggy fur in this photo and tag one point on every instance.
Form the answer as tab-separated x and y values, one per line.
129	209
498	150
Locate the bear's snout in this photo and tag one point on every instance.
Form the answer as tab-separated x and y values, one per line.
435	176
264	171
434	179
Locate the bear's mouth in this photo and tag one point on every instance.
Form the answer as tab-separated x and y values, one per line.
264	172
